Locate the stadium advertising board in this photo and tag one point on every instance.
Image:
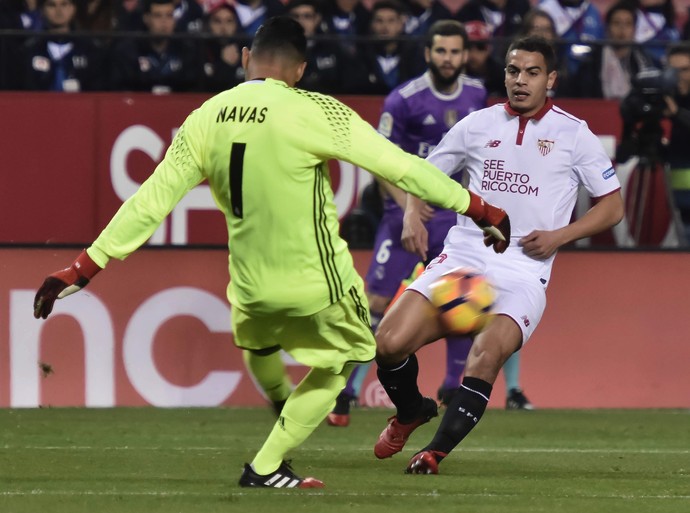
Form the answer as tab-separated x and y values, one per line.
155	330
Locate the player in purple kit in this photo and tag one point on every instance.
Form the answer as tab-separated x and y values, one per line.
416	115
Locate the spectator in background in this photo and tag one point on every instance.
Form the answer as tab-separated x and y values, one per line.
386	60
608	70
348	19
159	64
57	60
95	15
502	17
481	63
222	54
129	16
577	21
678	156
328	70
189	16
21	14
252	13
422	14
15	15
655	27
538	22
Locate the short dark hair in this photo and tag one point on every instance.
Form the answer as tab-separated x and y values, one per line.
535	44
280	36
678	49
42	3
314	4
393	5
532	15
623	5
446	28
149	3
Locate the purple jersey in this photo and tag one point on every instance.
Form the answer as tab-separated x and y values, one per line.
416	117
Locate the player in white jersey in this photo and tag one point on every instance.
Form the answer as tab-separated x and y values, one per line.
529	157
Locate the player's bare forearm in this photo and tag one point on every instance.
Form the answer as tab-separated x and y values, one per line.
419	207
426	212
415	237
398	195
608	211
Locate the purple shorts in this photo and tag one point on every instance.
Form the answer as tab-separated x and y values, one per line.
391	263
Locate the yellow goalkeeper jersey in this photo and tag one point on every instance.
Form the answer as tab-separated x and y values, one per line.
264	147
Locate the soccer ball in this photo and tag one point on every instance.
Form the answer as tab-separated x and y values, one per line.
464	299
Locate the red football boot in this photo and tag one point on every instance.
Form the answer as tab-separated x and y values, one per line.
393	438
425	462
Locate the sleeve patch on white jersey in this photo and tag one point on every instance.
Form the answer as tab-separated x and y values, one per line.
386	124
608	173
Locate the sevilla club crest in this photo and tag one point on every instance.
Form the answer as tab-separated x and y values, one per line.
545	146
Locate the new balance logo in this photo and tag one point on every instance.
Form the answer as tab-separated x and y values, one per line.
429	120
493	143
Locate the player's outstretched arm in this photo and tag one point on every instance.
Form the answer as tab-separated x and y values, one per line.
414	236
63	283
425	181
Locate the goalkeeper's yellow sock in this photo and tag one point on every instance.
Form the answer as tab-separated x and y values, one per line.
270	373
304	410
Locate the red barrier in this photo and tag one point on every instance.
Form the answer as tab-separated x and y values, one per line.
614	335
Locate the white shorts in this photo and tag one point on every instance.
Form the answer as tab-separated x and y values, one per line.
521	295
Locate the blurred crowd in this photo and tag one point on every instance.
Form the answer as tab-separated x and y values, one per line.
355	48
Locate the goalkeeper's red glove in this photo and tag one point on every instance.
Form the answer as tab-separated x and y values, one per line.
492	220
63	283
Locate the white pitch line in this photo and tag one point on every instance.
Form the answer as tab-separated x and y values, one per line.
526	450
155	493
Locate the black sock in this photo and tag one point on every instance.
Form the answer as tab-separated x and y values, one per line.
400	383
342	404
278	406
462	414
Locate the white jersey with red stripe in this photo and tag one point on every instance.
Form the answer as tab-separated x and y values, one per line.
531	167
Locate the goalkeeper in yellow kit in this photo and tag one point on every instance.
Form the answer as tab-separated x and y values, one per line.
263	146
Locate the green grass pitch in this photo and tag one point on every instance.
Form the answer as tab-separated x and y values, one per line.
189	460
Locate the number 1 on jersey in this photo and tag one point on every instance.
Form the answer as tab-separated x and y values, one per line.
236	171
